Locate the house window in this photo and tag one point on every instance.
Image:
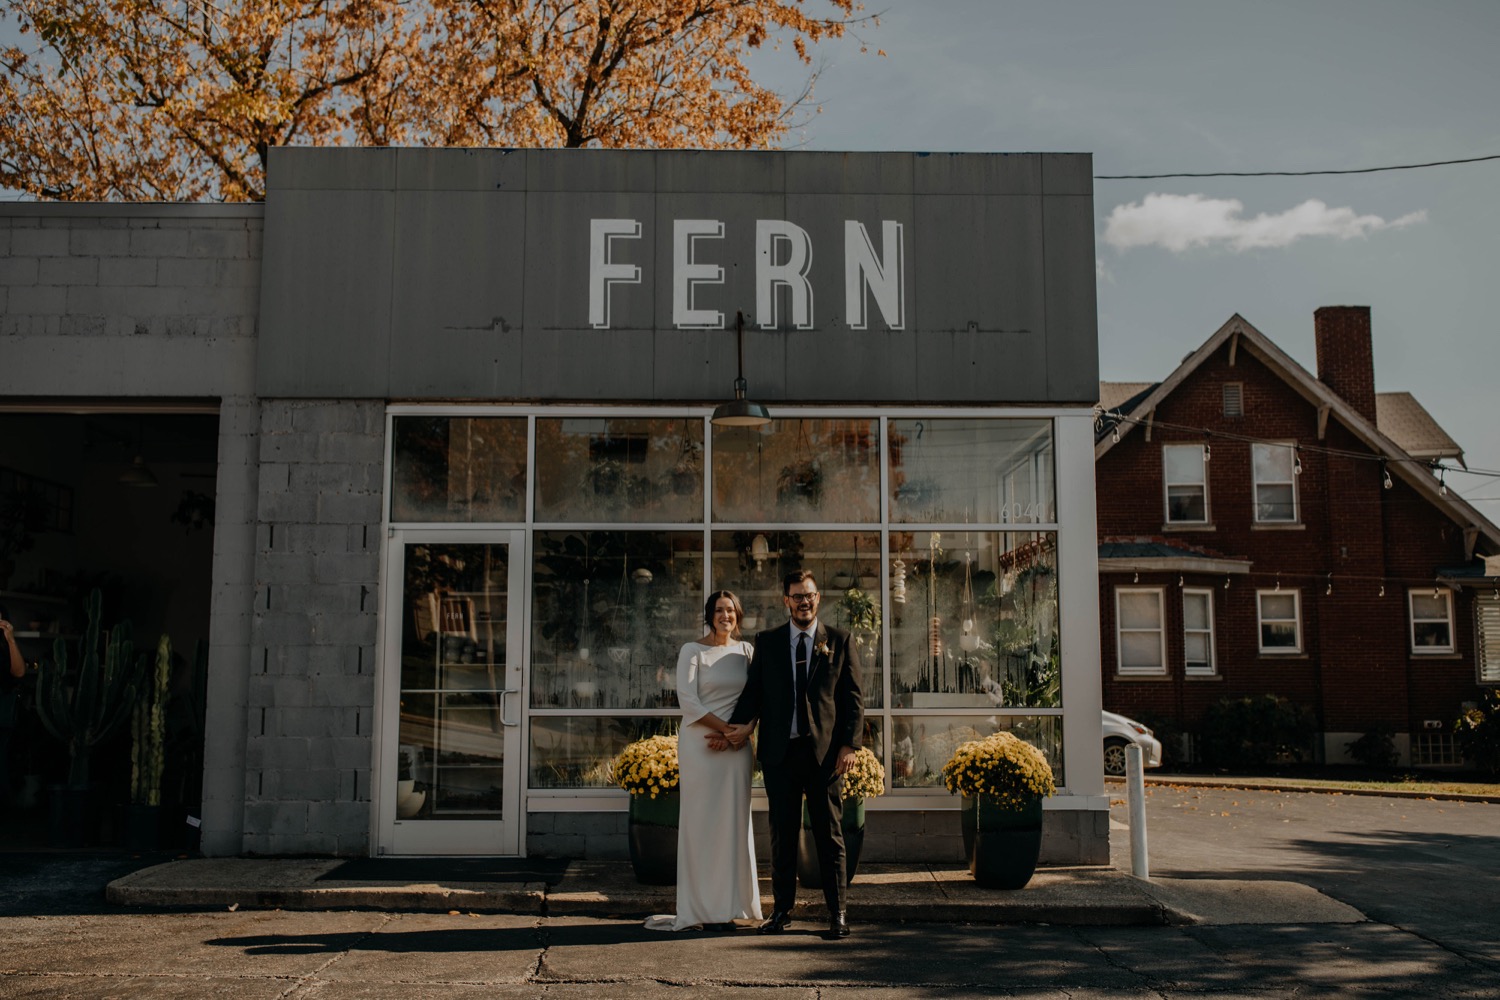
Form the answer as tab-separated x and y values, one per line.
1280	621
1234	399
1186	480
1431	621
1275	483
1198	631
1487	611
1141	640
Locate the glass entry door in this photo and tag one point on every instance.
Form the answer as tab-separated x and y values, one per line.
451	715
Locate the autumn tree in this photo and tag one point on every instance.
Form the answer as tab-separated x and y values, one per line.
180	99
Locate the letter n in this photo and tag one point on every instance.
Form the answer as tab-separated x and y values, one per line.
866	274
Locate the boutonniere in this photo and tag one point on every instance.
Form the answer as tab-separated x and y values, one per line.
823	648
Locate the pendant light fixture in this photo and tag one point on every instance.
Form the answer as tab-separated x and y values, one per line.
740	412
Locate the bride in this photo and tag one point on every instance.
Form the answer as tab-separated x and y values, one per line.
717	882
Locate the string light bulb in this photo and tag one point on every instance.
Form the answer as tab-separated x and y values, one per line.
1297	460
1386	473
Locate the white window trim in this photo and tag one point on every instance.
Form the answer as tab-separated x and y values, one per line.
1212	667
1160	630
1260	621
1256	483
1412	621
1487	635
1167	484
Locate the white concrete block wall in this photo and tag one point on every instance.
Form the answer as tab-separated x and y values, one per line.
129	300
308	714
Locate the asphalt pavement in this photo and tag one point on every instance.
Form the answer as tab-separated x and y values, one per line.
1234	909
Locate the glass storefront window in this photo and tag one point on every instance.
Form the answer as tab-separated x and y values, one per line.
617	469
578	752
922	744
458	469
610	610
798	471
948	568
965	471
847	565
974	620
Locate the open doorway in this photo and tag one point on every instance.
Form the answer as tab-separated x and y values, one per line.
118	504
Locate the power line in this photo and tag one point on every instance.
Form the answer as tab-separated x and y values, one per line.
1113	418
1293	173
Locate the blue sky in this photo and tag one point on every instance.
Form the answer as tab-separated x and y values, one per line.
1160	86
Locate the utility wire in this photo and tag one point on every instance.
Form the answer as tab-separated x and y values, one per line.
1292	173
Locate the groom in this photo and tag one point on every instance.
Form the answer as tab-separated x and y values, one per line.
803	686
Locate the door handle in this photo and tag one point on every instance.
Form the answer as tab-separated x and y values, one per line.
503	720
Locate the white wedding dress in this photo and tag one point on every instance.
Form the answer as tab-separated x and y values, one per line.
716	876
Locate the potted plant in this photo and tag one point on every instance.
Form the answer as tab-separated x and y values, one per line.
860	614
1003	780
647	769
865	780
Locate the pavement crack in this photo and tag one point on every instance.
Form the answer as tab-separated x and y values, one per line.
311	977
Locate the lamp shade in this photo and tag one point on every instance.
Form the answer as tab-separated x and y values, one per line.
741	413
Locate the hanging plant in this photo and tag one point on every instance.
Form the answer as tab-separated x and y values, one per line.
801	481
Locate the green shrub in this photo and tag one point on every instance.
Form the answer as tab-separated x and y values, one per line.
1255	731
1169	733
1376	748
1478	732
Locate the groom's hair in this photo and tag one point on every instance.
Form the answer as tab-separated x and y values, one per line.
795	577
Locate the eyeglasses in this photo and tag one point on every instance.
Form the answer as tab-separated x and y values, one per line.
804	598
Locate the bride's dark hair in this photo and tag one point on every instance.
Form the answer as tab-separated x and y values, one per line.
713	600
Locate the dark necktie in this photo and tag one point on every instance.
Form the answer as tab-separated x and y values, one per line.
802	726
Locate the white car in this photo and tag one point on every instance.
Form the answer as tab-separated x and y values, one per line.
1120	732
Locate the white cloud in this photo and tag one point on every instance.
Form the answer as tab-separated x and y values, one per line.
1179	222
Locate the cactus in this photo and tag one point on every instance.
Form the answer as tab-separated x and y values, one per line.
148	724
86	707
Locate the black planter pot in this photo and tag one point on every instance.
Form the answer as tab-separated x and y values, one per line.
653	838
809	874
1003	843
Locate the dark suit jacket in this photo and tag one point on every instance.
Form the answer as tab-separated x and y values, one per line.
835	701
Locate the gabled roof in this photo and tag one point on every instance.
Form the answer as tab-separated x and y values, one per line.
1405	465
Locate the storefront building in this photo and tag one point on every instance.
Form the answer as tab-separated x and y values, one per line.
472	495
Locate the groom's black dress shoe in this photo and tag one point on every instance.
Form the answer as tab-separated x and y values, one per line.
778	922
838	927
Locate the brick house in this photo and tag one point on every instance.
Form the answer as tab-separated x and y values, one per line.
1264	531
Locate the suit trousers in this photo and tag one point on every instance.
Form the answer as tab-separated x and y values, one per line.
800	774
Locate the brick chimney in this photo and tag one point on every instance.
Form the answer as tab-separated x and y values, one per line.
1346	360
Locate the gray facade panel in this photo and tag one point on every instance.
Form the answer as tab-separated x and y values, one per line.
452	314
1072	304
483	274
325	298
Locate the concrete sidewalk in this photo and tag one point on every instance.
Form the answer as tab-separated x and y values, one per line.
1083	896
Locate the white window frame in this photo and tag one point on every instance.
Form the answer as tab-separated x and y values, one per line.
1261	621
1167	483
1487	633
1199	669
1413	621
1258	448
1161	633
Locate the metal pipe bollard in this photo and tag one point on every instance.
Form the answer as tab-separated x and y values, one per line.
1135	794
